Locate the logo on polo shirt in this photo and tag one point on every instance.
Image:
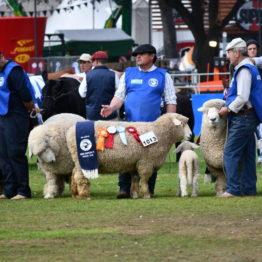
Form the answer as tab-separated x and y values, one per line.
153	82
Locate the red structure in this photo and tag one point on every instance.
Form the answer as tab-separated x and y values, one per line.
18	35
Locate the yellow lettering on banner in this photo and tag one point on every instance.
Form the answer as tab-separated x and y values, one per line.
22	58
24	49
23	42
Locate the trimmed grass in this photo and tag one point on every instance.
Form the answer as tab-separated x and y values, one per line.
165	228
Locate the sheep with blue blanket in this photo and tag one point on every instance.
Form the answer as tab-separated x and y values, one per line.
131	157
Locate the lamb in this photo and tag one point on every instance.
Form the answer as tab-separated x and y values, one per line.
134	158
48	143
188	168
213	137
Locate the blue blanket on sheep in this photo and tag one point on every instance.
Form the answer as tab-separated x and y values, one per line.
86	148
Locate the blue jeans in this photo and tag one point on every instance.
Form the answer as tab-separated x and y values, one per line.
240	155
124	182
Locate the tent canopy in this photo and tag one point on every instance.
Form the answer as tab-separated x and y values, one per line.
94	35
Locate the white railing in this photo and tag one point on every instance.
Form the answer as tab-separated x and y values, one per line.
193	80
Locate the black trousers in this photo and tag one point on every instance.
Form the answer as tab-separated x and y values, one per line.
14	131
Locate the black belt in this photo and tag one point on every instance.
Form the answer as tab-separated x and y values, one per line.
244	111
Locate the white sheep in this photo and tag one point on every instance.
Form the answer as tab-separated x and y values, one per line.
188	168
48	143
134	158
212	140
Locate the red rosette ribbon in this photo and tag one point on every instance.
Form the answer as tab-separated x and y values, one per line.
110	139
132	130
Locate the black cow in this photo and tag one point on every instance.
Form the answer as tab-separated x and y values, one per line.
61	96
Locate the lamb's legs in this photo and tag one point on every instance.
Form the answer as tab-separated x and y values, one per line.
195	186
178	193
183	185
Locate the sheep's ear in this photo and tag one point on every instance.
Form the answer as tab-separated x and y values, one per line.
30	154
176	122
178	149
194	145
200	109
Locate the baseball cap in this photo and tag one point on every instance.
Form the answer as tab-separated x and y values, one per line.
142	49
99	55
252	42
236	43
85	57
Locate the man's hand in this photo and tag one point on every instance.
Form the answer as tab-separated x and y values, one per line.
106	110
252	61
29	106
223	111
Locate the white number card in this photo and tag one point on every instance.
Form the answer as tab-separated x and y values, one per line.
148	138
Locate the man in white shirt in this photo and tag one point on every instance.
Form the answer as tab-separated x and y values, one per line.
240	147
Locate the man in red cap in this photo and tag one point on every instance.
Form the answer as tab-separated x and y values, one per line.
142	89
98	87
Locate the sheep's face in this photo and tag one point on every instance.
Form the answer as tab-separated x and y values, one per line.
183	123
212	116
187	132
47	156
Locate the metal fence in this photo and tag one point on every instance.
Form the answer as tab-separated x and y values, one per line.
189	80
193	80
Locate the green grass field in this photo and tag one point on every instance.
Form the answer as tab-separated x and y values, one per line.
164	228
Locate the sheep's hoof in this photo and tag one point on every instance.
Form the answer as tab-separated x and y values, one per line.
178	194
147	196
219	193
49	196
134	195
184	195
194	195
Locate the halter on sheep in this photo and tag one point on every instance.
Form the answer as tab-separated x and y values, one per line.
134	158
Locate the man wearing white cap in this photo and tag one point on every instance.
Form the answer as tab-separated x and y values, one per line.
85	65
243	109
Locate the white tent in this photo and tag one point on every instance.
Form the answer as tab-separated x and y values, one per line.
89	16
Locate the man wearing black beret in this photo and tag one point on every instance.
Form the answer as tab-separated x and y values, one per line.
141	90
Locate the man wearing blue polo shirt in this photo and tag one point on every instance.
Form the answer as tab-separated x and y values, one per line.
141	90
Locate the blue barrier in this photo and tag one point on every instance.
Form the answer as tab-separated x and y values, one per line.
198	101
